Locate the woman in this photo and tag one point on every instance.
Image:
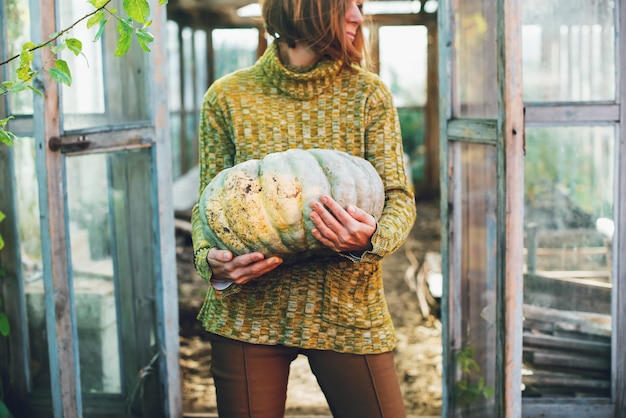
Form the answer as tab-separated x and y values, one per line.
308	90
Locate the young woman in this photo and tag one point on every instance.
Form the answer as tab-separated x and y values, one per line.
308	90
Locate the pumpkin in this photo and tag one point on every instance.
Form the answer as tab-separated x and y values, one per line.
264	205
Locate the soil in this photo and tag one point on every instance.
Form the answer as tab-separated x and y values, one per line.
418	354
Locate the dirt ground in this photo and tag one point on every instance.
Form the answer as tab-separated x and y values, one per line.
418	354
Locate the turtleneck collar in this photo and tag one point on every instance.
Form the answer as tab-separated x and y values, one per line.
302	83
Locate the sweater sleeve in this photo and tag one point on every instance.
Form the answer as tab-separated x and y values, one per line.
216	152
384	150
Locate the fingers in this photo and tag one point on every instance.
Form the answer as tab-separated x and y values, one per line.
240	269
339	229
361	216
219	255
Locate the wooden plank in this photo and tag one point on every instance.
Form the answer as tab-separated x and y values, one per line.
60	320
537	114
540	381
567	294
619	294
431	171
578	277
444	44
594	324
165	246
475	131
111	139
538	357
564	343
567	409
511	202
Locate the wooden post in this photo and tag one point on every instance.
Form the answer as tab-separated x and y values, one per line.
60	318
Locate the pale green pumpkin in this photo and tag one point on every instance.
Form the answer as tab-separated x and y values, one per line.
264	205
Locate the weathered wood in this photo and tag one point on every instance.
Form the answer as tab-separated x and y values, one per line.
567	409
567	113
567	294
565	343
584	322
539	357
569	382
60	320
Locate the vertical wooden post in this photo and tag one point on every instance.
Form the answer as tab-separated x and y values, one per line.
619	240
167	285
432	176
511	164
60	316
182	64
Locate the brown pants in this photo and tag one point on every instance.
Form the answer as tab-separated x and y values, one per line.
251	380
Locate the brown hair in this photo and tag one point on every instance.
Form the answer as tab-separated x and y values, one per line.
319	24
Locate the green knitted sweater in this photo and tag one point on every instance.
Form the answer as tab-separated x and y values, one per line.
333	303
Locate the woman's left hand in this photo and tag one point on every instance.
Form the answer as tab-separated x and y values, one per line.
342	230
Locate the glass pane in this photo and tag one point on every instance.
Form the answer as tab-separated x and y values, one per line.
569	50
234	49
475	65
402	69
473	280
106	90
92	266
17	21
27	199
569	184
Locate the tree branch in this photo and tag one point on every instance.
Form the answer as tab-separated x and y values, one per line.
58	35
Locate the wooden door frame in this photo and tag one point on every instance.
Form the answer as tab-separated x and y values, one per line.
65	397
507	135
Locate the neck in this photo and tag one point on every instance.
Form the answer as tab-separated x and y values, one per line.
300	56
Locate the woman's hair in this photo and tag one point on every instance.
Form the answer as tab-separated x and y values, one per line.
320	24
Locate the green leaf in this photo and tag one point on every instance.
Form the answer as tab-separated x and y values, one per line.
5	327
100	30
138	10
34	90
58	48
96	19
3	122
125	29
27	46
488	391
74	45
162	2
1	242
2	216
98	3
7	138
15	87
4	411
61	72
144	38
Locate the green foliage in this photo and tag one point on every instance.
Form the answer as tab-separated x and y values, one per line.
470	388
137	11
412	126
5	327
2	216
6	137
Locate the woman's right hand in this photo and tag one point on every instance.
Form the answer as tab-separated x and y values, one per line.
240	269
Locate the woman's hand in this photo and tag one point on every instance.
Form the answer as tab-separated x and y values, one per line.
240	269
342	230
